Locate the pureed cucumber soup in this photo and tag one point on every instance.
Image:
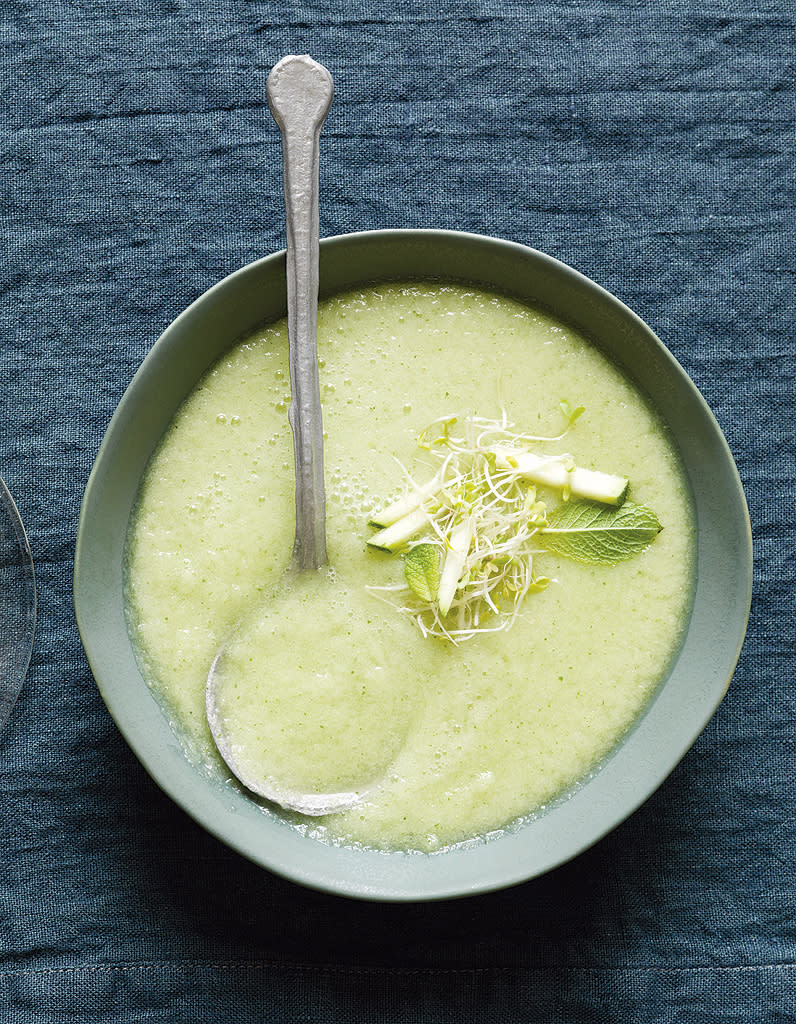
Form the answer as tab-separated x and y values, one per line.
463	737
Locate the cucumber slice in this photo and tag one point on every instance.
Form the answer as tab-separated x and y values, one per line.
396	535
557	472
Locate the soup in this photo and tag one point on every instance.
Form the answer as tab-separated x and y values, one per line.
459	739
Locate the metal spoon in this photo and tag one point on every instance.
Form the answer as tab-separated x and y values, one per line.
299	94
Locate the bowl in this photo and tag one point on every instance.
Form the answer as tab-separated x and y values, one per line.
698	676
17	604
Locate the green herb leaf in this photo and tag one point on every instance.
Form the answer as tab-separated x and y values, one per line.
422	570
597	535
570	413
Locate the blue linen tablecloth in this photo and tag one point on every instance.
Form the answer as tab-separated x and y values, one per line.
651	147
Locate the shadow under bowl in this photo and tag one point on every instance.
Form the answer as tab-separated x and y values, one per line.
693	688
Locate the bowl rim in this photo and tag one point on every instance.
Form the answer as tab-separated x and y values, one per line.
21	583
475	867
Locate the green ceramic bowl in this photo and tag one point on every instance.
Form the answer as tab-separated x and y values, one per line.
696	682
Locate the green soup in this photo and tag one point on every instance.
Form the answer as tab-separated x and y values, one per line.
458	740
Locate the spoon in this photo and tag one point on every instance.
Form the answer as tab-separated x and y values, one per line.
299	94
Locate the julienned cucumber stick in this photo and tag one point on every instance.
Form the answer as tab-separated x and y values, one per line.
560	473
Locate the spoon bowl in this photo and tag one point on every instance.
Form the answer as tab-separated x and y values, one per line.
257	705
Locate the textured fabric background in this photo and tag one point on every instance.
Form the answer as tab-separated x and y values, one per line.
648	145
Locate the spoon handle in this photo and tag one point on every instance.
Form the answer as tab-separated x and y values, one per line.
300	94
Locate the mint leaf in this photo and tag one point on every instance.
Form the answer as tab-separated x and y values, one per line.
422	570
597	535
